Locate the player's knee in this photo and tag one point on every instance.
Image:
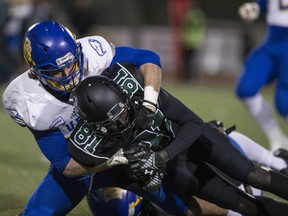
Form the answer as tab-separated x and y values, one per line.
246	206
259	178
244	91
282	108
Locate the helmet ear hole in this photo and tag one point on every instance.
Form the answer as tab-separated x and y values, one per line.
45	50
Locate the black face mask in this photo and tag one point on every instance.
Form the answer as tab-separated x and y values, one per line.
120	129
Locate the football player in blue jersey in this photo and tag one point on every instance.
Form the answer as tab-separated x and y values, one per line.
267	63
182	146
39	100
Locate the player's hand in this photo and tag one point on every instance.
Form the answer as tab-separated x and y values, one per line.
144	162
146	166
134	152
249	11
149	178
144	117
154	182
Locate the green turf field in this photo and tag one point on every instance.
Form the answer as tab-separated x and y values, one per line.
22	167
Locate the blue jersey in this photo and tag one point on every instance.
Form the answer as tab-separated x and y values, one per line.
276	12
268	62
49	115
51	119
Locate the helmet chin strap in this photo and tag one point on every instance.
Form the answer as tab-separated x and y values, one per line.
63	96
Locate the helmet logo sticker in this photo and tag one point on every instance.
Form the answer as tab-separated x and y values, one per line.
69	57
96	45
27	49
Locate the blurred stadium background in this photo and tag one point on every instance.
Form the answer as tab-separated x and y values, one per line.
149	24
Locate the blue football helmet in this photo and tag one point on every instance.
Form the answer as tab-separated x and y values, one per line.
112	201
48	48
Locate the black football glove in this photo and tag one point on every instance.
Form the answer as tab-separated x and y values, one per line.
135	154
147	182
146	162
146	165
154	182
144	117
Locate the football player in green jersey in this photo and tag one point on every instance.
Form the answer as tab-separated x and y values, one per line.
197	157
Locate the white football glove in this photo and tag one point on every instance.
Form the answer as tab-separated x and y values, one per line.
117	159
249	11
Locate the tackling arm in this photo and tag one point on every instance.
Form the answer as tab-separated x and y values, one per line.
117	159
54	146
149	65
152	82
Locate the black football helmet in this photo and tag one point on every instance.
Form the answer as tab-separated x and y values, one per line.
101	102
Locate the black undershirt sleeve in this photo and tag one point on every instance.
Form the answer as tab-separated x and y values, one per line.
190	126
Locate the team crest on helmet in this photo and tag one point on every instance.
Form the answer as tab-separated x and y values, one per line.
27	49
112	193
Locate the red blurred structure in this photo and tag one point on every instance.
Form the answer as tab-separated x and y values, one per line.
176	11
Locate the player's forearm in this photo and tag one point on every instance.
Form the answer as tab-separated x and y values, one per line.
201	207
152	83
74	169
152	74
191	126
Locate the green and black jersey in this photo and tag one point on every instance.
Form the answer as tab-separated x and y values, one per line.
175	127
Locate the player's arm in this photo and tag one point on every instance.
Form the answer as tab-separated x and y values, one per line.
190	125
54	146
90	162
85	148
149	65
199	206
152	82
